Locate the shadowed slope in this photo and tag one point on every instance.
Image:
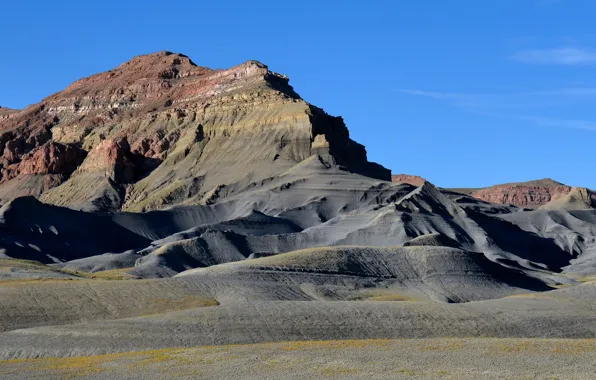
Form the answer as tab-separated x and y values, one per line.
33	230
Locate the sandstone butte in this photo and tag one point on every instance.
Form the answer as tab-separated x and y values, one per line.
160	130
527	194
531	194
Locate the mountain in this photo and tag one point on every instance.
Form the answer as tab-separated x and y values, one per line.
160	130
163	204
407	178
531	194
236	165
6	113
579	198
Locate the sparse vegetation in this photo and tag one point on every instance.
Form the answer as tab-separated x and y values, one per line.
320	359
333	344
45	272
114	274
380	294
161	305
391	297
445	345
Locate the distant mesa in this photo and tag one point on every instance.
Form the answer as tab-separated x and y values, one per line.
406	178
578	198
531	194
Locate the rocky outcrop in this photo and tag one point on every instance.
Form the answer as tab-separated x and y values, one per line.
531	194
99	183
406	178
41	169
50	158
111	159
7	113
522	196
579	198
161	131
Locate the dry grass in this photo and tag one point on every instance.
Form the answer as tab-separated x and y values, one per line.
446	345
381	295
39	272
391	297
81	366
338	371
570	347
280	357
163	305
406	371
309	257
37	267
334	344
532	295
23	263
114	274
32	281
587	279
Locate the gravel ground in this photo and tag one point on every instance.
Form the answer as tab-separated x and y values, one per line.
351	359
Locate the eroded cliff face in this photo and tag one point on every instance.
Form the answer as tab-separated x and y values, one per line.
407	178
159	131
520	195
531	194
7	113
578	198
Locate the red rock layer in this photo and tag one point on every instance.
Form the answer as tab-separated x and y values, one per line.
521	195
406	178
162	109
50	158
7	113
113	159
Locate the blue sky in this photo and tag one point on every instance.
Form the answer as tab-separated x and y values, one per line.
466	93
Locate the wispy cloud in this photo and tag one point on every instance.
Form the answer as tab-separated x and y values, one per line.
468	100
563	91
433	94
565	123
508	100
569	56
509	104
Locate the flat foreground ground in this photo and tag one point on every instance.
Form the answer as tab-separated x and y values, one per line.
476	358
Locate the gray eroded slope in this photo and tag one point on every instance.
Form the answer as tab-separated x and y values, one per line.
268	321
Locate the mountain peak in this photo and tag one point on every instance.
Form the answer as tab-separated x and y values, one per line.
544	182
161	66
159	58
188	130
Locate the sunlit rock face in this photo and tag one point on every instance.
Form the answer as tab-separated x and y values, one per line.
159	131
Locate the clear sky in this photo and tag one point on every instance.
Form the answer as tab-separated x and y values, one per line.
466	93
